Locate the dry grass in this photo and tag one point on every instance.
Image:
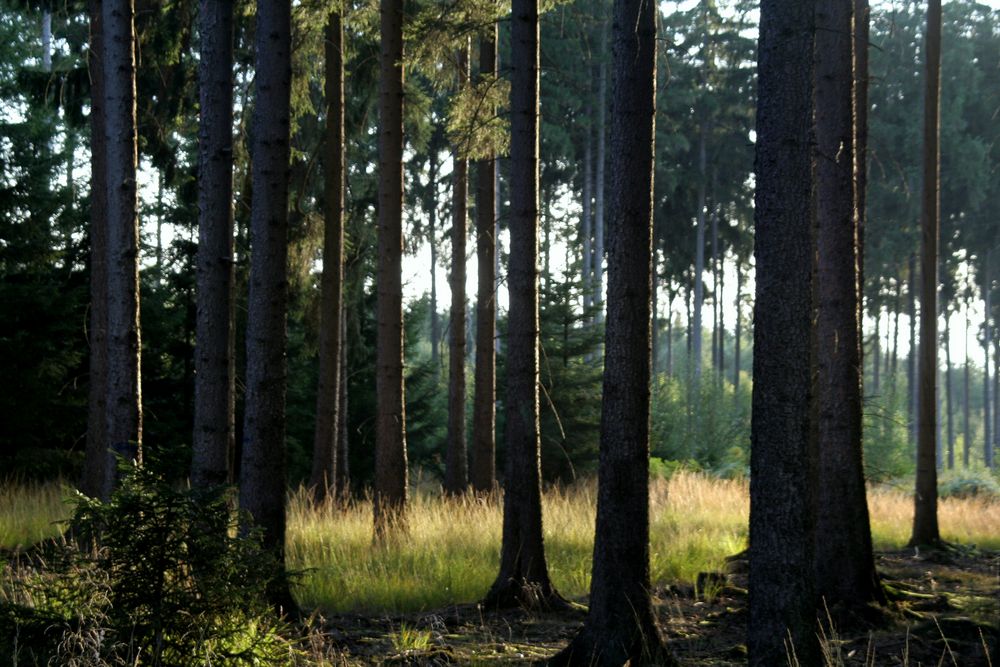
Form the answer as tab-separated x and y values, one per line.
451	552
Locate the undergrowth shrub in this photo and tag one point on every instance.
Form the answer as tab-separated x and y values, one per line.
155	576
968	484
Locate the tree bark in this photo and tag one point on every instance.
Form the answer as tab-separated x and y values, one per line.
911	357
484	404
844	564
96	458
262	471
523	579
925	523
783	458
214	419
433	150
966	404
343	485
586	224
325	446
390	420
739	330
124	400
621	627
456	462
948	392
602	105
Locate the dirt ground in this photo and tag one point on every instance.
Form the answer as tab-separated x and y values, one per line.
945	610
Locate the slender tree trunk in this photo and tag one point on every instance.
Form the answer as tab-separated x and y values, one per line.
46	40
722	322
325	446
715	281
670	331
602	106
876	361
390	420
343	440
214	420
925	523
862	35
621	627
844	565
911	358
895	332
966	400
456	479
432	233
987	334
739	330
948	392
699	259
124	400
262	471
483	473
523	579
96	460
996	401
654	334
783	458
586	224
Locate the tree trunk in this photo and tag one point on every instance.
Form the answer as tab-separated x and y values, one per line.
523	579
844	565
996	401
390	420
699	260
739	330
432	233
925	523
987	335
722	322
948	392
715	282
782	458
96	460
586	224
876	356
343	485
602	105
483	471
621	627
895	332
911	358
966	401
655	296
325	446
262	471
124	401
214	421
456	479
670	331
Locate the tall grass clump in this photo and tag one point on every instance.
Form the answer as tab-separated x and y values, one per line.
30	512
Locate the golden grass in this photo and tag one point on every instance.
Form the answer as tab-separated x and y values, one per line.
450	554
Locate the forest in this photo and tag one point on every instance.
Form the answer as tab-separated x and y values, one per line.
374	333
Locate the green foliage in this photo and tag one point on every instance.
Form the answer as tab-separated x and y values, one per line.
968	484
154	576
888	451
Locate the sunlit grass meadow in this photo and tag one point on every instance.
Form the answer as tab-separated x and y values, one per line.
450	553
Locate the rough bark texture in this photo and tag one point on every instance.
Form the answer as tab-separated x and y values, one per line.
124	398
845	566
214	421
95	459
262	468
483	472
782	616
390	419
925	523
524	577
456	473
325	447
621	627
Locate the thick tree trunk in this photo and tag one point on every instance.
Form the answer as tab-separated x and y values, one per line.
844	565
699	259
456	478
925	523
124	400
621	627
483	472
524	577
390	419
262	471
325	446
96	459
783	458
214	422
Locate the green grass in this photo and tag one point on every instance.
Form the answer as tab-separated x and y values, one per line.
450	555
30	512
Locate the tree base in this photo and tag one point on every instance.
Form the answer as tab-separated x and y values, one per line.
509	593
603	649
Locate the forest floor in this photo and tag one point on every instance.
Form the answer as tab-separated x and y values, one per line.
945	611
